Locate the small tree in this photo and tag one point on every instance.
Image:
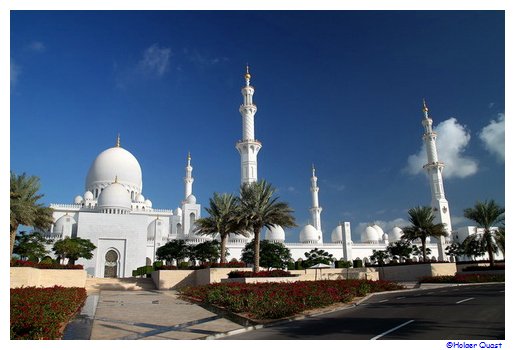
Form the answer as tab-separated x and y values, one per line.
455	249
318	256
379	256
474	246
417	251
176	250
208	251
272	254
30	246
400	249
73	249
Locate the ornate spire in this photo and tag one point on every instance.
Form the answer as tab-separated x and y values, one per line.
313	168
247	75
425	110
116	179
118	140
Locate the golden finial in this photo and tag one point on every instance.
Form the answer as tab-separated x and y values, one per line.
116	179
313	168
118	140
189	156
424	108
247	74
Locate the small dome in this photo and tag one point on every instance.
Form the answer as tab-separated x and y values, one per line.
370	234
309	234
191	199
65	225
78	200
396	234
385	236
88	196
178	211
337	235
154	230
140	198
276	234
114	196
148	203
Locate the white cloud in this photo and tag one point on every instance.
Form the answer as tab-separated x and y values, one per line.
36	46
156	60
492	136
451	142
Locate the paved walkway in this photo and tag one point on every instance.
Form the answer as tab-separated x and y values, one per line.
152	314
133	315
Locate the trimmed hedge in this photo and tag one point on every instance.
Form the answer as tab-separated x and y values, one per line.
463	278
42	313
272	273
45	265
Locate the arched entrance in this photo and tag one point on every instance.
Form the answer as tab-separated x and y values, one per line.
111	264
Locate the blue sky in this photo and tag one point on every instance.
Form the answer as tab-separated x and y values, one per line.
340	89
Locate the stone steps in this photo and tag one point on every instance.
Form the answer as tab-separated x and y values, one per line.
130	283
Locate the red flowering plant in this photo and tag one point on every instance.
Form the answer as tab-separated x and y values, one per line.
277	300
42	313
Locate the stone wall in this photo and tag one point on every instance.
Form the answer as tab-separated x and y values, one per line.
31	277
416	271
176	279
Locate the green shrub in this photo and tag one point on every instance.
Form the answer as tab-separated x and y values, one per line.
357	263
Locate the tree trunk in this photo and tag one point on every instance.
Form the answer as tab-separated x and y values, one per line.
424	249
13	238
223	243
256	251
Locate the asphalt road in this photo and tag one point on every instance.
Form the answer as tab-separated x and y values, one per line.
464	312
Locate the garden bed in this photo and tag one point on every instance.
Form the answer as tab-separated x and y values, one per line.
43	313
265	301
464	278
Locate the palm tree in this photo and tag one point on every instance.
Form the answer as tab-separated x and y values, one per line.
222	220
486	214
25	209
422	227
257	209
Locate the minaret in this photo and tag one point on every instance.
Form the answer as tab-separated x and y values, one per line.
315	208
248	146
188	179
434	170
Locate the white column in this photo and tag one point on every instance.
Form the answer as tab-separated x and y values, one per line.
315	208
188	179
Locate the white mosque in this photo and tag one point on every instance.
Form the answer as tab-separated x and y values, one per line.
114	214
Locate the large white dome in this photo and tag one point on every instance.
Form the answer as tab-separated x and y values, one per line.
114	196
337	235
276	234
309	234
112	163
379	230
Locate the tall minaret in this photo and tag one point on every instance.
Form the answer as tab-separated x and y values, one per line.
248	146
434	170
188	179
315	208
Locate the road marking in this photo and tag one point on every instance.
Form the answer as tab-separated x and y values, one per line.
391	330
501	291
464	300
430	293
382	301
400	298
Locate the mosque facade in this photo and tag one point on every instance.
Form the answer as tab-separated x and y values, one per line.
127	230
